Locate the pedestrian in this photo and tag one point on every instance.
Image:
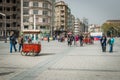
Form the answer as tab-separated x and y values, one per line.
103	41
69	40
76	39
48	39
20	41
111	42
13	42
81	37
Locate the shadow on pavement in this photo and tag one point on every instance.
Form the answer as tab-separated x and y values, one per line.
46	54
6	73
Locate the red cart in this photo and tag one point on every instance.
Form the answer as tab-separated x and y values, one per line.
30	48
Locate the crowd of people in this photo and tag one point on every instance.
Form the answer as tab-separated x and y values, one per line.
79	39
76	40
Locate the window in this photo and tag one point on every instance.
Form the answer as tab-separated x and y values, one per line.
25	4
14	8
45	13
8	25
25	11
1	33
45	5
14	24
45	20
26	27
35	11
25	19
62	16
1	24
1	16
35	4
1	8
8	1
42	27
14	1
8	17
8	9
62	11
1	1
14	16
62	21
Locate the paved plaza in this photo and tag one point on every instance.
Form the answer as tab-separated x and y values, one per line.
57	61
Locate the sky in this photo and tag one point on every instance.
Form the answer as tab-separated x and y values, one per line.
96	11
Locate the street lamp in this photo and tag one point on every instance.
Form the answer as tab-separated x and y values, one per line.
5	26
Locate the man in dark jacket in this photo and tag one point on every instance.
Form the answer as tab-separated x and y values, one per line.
103	41
12	42
81	37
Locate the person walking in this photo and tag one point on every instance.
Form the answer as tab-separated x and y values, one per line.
69	40
48	38
81	37
13	42
111	42
20	41
103	41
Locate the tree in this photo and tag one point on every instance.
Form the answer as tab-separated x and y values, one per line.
111	28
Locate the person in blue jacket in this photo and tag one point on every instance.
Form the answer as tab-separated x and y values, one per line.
111	42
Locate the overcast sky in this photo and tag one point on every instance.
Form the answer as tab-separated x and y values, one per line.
97	11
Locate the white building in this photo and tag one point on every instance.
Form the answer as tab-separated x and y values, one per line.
77	27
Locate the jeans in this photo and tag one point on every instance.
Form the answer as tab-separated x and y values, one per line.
12	45
104	48
20	45
111	48
81	43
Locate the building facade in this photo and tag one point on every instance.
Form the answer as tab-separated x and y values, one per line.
38	13
62	14
11	21
71	23
84	25
94	28
77	29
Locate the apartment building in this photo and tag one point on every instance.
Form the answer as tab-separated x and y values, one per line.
38	13
62	12
71	23
77	29
94	28
10	21
84	27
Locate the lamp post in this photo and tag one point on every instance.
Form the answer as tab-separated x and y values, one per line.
5	26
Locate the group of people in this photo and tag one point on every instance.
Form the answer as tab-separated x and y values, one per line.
76	38
13	42
70	40
104	43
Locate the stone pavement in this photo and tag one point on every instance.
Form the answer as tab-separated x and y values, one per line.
57	61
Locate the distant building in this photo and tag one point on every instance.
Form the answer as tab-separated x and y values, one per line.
43	12
94	28
71	23
84	25
77	27
112	21
62	16
12	10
